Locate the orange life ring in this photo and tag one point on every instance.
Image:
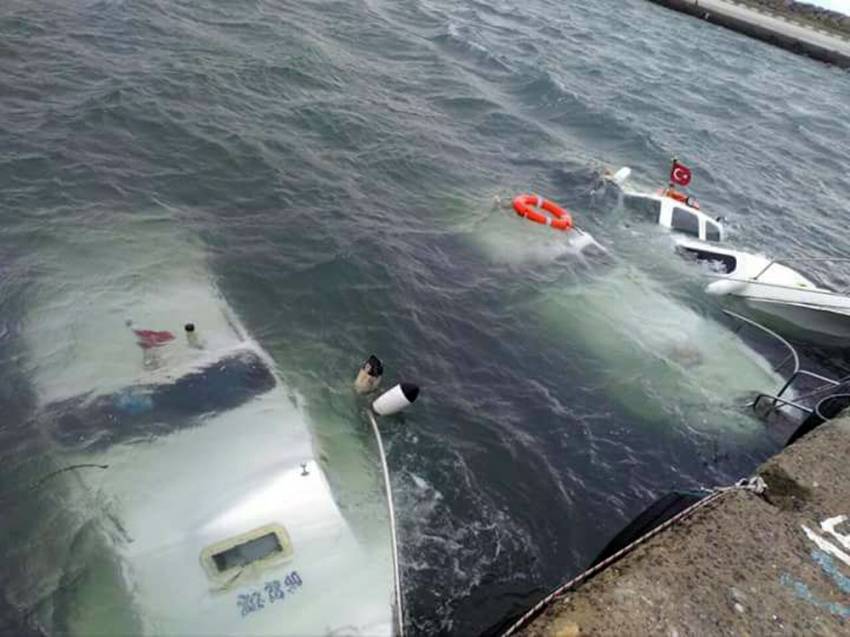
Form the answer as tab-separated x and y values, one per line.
526	206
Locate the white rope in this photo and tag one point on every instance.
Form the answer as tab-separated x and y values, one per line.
393	533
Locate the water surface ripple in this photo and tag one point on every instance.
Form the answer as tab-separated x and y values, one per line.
340	161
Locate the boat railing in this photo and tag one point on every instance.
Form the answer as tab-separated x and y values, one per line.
776	403
823	401
790	263
778	399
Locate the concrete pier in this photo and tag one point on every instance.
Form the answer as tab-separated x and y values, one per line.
771	28
744	564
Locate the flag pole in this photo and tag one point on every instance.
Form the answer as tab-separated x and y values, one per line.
670	175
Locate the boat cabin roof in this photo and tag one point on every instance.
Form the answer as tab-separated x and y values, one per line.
678	216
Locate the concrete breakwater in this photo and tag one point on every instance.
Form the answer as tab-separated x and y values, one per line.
745	563
771	28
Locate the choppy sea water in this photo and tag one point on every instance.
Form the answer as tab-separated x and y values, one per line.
345	167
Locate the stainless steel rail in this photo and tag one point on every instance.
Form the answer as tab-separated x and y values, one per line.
778	399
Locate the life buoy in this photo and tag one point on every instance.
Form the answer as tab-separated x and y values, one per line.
526	206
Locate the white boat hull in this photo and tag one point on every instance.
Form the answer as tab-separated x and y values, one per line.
774	294
186	450
813	324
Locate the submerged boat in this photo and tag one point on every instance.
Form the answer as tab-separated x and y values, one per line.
668	207
808	397
194	501
656	357
676	215
660	360
775	293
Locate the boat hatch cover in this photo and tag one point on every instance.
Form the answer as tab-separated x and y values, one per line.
266	546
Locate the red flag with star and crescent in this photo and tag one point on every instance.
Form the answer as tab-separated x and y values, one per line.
680	174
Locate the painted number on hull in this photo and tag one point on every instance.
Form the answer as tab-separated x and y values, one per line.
273	592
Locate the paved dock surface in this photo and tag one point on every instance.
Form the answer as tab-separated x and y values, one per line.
768	27
744	564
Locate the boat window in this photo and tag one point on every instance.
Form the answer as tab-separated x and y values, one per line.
247	552
685	221
266	545
650	208
714	261
712	231
144	411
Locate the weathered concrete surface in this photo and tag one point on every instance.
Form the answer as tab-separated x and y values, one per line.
768	28
741	565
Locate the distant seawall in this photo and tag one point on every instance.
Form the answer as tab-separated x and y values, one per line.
772	29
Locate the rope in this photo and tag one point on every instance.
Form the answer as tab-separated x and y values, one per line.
74	467
399	601
35	485
753	484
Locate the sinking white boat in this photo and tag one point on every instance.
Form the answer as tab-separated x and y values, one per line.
663	362
201	507
775	293
508	238
670	209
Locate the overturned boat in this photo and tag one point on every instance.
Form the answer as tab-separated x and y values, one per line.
193	498
775	292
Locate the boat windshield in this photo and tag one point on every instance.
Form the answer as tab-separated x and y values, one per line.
646	206
138	412
712	231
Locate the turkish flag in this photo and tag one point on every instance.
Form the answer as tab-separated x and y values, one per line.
680	174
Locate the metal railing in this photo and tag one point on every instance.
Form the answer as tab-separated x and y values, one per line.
778	400
790	262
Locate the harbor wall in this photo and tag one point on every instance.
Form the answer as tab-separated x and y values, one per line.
745	563
772	29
